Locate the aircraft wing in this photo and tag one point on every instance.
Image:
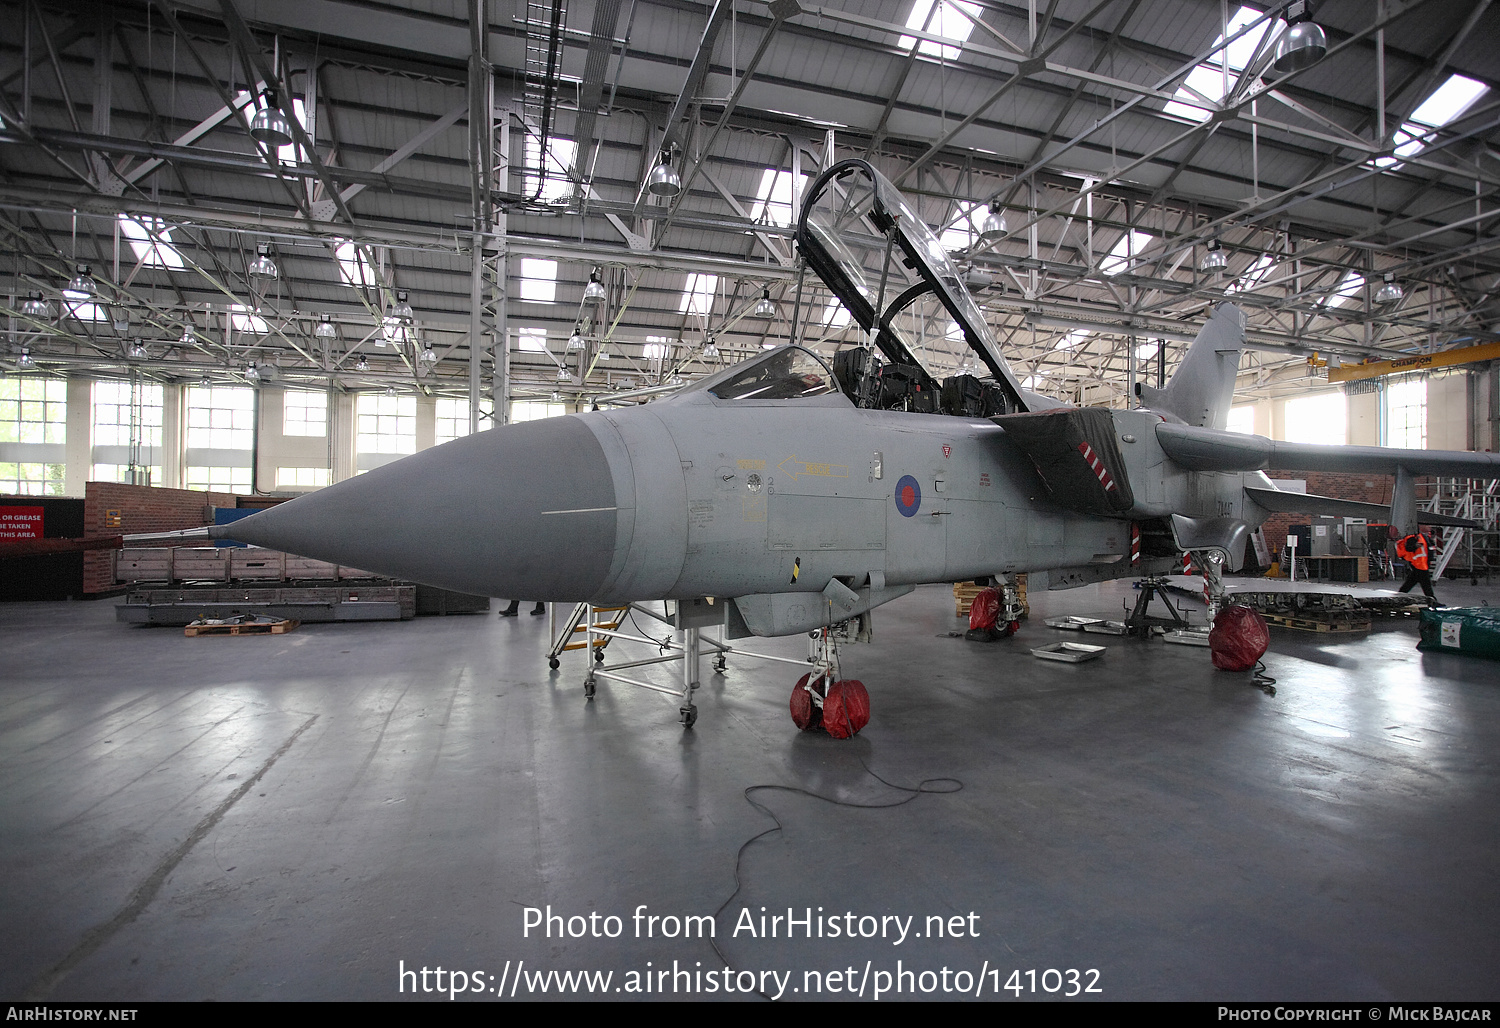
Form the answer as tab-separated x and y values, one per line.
1208	449
1279	502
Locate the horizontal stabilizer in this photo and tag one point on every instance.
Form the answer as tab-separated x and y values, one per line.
1279	502
1206	449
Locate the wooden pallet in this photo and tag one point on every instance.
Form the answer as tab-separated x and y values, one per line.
1341	625
249	628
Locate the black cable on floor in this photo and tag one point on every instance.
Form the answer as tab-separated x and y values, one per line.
1261	680
921	787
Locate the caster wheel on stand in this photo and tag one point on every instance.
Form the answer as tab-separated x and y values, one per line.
598	656
689	715
588	687
554	663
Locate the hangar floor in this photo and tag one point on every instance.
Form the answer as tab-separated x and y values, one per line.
303	816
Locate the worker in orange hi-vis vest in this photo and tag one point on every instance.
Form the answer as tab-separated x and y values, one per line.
1414	550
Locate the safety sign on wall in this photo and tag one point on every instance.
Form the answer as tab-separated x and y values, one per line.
21	522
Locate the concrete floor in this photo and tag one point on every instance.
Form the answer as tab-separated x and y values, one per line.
300	816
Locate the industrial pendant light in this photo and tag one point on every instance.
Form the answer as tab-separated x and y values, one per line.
575	341
138	352
252	374
187	334
429	357
269	125
206	382
403	309
35	307
594	291
563	375
1390	290
24	362
710	348
1213	258
1303	44
361	365
765	308
326	329
263	266
994	224
81	286
390	390
664	180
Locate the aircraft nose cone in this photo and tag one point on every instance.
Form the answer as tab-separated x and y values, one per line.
524	511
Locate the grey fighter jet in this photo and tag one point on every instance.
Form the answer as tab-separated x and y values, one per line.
804	495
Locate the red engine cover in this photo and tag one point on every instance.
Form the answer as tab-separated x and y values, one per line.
1239	638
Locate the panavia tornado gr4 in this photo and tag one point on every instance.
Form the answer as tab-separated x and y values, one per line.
799	495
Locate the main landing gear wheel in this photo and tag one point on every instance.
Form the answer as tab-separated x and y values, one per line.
689	715
846	708
806	714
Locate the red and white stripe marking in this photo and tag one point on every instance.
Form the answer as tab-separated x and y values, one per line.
1135	543
1105	478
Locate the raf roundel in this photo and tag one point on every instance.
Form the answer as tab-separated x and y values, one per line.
908	496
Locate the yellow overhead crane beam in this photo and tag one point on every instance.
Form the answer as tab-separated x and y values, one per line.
1418	362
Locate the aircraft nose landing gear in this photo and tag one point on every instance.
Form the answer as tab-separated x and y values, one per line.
840	707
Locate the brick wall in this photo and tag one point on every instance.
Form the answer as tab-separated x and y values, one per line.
113	509
1363	487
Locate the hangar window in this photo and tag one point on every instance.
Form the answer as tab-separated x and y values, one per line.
538	280
1317	419
33	410
950	20
1406	414
151	239
453	417
1253	275
1122	256
302	478
535	410
1242	419
354	266
1447	102
835	314
85	311
219	479
121	473
553	174
385	424
31	479
698	295
220	418
774	201
126	414
1204	86
1350	291
657	347
244	319
305	412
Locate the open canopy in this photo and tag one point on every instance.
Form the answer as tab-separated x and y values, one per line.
875	253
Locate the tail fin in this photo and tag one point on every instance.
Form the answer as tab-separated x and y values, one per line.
1202	387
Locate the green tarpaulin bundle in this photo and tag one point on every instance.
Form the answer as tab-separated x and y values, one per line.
1472	630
